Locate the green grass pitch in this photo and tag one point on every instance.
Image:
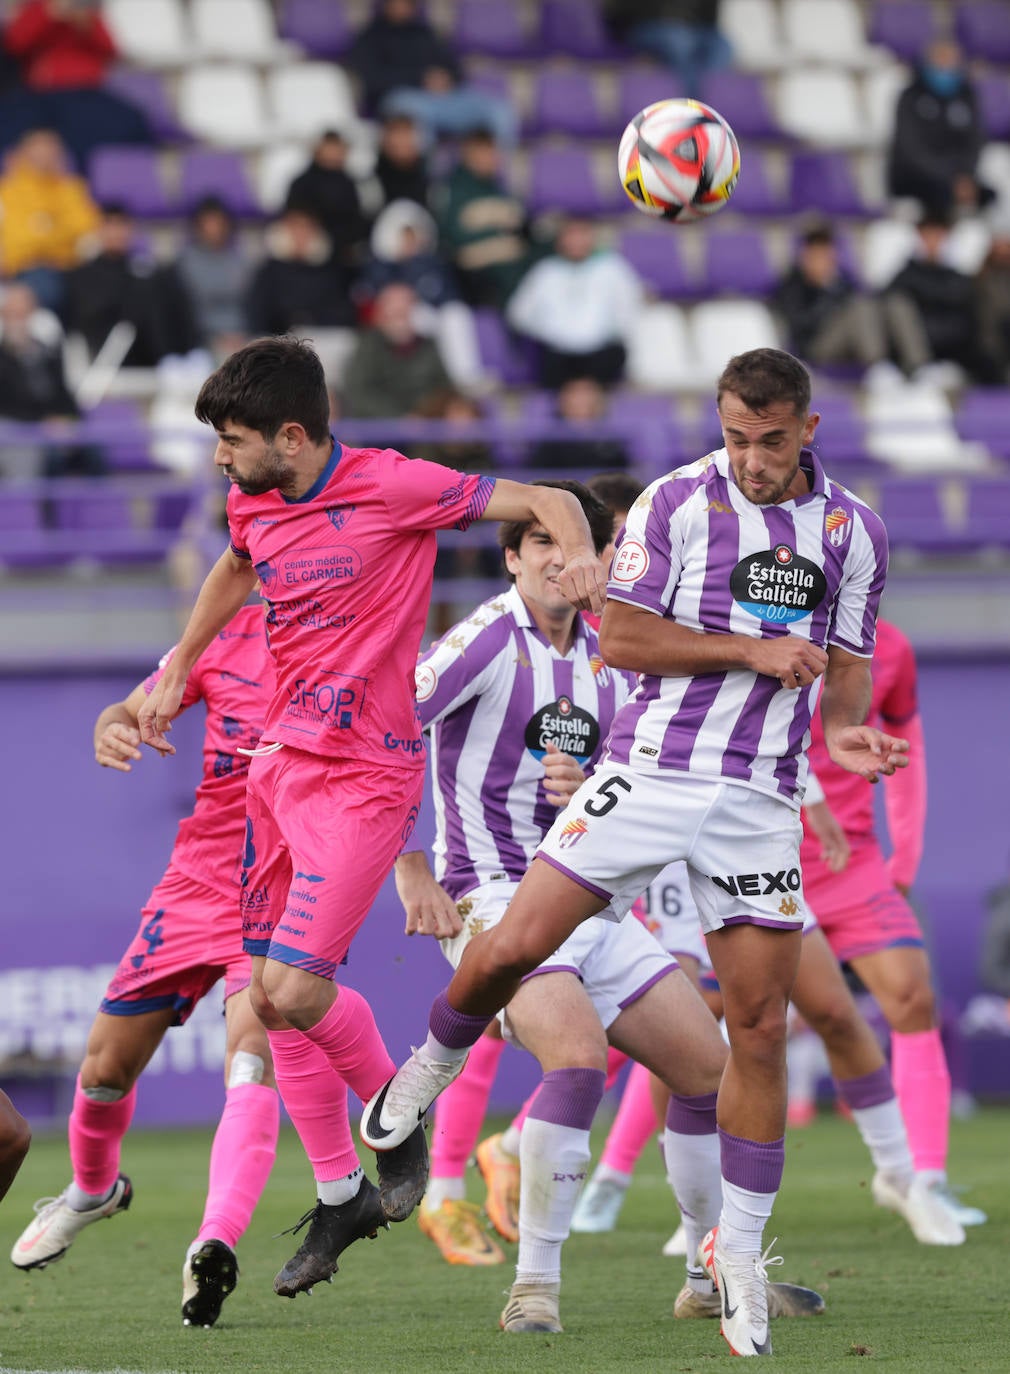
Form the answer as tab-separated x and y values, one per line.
395	1306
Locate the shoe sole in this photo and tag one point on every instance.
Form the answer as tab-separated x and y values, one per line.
399	1196
121	1206
215	1272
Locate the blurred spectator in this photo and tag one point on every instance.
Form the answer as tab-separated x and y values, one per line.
467	454
938	135
123	282
33	387
946	303
215	273
484	226
326	191
682	34
393	369
828	319
579	305
581	403
46	215
992	289
407	68
401	168
300	285
403	247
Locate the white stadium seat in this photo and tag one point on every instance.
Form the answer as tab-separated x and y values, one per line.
827	31
659	350
276	168
887	246
224	105
721	329
307	97
234	30
752	27
153	34
881	89
822	105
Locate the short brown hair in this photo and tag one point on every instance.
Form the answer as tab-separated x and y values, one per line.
763	377
268	383
601	522
617	490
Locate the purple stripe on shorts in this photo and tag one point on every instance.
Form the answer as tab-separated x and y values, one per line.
582	882
569	1097
870	1090
752	1164
633	997
692	1115
554	968
763	921
456	1030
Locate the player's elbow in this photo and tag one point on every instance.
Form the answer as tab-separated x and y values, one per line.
618	649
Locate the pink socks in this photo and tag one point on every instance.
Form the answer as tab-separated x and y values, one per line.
316	1101
350	1039
95	1131
460	1110
241	1158
922	1085
634	1125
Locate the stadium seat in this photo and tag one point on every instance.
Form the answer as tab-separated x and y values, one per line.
223	104
740	98
756	193
154	34
213	171
904	26
118	427
660	356
19	512
564	178
983	416
827	31
276	169
822	105
982	27
321	27
887	246
911	428
912	509
234	30
881	89
721	329
988	511
737	261
994	104
304	98
824	181
496	30
147	91
638	86
656	256
576	28
754	30
501	355
130	177
565	101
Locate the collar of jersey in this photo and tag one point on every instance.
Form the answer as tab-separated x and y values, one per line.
521	615
320	482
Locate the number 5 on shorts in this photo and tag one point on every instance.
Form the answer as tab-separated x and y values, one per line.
608	790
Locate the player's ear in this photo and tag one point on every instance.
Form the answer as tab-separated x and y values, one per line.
810	424
292	437
512	561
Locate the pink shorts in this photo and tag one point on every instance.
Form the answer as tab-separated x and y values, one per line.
321	837
189	937
860	910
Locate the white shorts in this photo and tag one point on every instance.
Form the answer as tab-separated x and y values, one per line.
615	963
742	847
671	914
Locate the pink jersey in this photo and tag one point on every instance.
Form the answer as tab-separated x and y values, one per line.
347	572
234	677
894	704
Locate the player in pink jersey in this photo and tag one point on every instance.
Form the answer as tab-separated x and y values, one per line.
189	938
343	543
869	923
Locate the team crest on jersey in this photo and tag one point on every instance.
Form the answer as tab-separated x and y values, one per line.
838	525
572	832
631	561
778	585
600	670
425	681
267	573
339	515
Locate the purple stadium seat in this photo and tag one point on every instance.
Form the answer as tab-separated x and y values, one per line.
147	91
756	193
132	177
493	29
117	427
737	260
207	172
825	181
19	512
989	511
492	80
575	27
982	28
983	416
565	101
994	105
500	354
656	256
912	512
639	86
904	26
740	99
320	26
563	178
171	509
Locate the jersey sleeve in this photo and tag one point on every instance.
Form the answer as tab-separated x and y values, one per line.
458	666
901	701
194	683
648	557
427	496
854	615
236	533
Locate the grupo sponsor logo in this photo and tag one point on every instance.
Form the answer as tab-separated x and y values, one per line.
778	585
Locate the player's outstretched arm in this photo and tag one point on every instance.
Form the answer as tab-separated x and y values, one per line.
430	910
225	590
583	579
643	642
117	735
856	747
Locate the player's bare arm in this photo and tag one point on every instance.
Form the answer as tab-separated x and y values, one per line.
117	735
225	590
856	747
429	908
634	638
583	579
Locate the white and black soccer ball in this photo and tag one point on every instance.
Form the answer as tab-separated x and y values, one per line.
678	160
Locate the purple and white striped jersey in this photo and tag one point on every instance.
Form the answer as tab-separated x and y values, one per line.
496	692
695	550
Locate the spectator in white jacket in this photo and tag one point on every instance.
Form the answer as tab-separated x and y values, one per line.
578	304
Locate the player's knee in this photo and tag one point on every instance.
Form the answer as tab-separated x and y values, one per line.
758	1030
833	1022
912	1007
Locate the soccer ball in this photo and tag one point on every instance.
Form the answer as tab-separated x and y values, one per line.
678	159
